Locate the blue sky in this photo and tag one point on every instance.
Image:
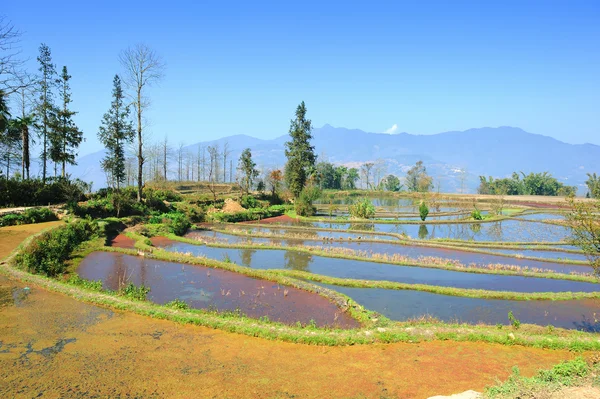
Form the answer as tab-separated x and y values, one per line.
242	67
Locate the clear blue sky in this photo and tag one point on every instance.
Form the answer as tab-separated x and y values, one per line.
242	67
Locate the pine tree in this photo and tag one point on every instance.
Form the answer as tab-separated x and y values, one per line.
45	108
300	154
116	130
248	169
65	136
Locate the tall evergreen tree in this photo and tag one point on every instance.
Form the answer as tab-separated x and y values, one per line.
45	108
4	112
300	154
65	136
115	131
248	169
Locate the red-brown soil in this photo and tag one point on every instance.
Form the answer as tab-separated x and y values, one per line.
54	345
276	219
122	241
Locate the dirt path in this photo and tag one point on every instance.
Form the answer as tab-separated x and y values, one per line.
52	344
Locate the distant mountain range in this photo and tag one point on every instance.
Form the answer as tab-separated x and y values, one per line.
449	156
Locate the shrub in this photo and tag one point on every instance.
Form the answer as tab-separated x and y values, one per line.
176	222
10	220
163	195
250	214
248	202
193	212
16	192
31	215
303	204
362	209
47	254
304	207
423	210
475	214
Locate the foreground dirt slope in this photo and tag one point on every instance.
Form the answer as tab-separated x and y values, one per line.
53	345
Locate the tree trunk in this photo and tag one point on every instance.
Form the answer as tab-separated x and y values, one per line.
140	145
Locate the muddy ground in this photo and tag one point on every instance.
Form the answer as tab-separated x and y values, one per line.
53	345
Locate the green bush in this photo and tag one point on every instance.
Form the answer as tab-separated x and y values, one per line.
249	202
31	215
476	215
163	195
194	212
423	210
250	214
362	209
176	222
17	192
304	207
304	202
47	254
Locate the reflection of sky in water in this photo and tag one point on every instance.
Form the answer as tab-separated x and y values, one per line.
542	216
502	231
403	305
465	257
201	287
364	270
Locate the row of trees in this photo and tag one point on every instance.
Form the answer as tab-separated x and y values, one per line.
44	102
43	106
522	184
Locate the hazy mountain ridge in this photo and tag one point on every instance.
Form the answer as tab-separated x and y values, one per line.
482	151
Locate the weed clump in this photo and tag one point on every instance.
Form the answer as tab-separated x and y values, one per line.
363	209
177	304
565	374
133	292
516	323
74	279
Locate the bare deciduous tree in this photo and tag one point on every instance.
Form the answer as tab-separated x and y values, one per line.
166	153
143	68
213	152
225	153
12	76
366	171
180	157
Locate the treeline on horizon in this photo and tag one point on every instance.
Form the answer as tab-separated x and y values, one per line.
36	109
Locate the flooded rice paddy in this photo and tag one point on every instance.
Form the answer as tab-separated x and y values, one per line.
366	270
511	230
203	288
404	305
414	251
